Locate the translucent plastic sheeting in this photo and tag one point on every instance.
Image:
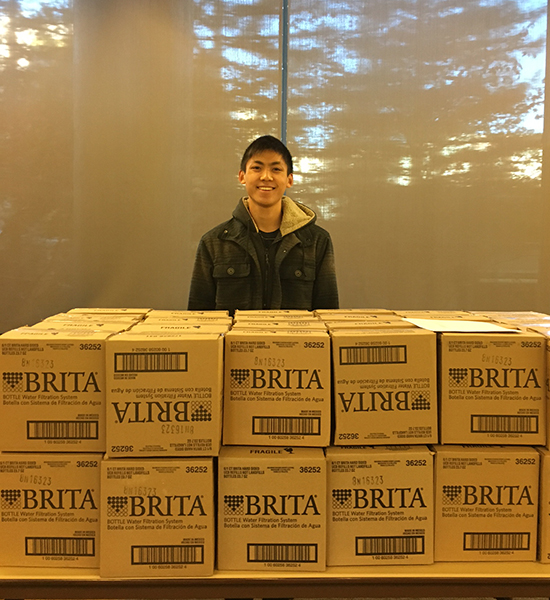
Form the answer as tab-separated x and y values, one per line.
418	127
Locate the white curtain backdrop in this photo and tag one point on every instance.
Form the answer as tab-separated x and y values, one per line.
417	128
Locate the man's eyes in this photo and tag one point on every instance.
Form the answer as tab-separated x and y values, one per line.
275	169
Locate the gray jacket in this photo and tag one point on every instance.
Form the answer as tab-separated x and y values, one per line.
227	274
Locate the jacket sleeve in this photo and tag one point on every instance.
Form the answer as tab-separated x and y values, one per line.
202	291
325	291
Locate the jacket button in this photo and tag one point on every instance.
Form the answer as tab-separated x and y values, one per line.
298	273
230	271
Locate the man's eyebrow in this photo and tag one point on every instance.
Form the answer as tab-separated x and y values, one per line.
260	162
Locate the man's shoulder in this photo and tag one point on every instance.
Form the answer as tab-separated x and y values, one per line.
232	225
229	228
216	230
316	231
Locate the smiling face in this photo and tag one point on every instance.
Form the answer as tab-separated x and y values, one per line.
266	178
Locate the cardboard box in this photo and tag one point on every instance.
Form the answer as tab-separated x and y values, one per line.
544	507
385	387
186	314
189	320
547	354
315	324
525	316
378	324
212	326
49	510
363	317
271	509
139	312
277	388
548	391
77	317
274	314
164	394
52	396
493	388
542	328
545	331
380	505
436	314
526	322
486	503
336	312
157	517
77	325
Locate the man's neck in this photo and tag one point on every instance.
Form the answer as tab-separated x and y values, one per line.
267	218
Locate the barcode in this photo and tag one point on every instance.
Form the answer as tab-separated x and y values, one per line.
286	425
62	430
291	553
373	355
138	362
49	546
407	544
504	424
497	541
168	555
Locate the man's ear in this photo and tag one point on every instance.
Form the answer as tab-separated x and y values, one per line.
290	180
241	176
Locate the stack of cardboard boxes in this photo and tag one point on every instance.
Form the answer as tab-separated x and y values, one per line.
163	429
52	432
277	420
319	438
385	415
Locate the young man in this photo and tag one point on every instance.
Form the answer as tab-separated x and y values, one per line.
270	254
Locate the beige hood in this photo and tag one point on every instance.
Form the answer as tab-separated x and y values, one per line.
295	215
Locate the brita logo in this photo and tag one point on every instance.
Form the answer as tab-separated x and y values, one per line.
152	411
486	495
155	506
46	499
493	378
48	381
252	505
358	498
385	401
285	379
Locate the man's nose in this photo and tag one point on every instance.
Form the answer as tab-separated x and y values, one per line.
266	174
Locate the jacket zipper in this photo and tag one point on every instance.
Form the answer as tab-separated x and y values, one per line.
267	276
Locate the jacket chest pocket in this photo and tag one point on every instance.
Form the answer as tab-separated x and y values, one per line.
296	273
297	283
229	271
233	285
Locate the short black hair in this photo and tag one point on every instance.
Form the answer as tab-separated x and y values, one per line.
263	143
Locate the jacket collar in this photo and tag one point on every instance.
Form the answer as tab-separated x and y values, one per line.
295	215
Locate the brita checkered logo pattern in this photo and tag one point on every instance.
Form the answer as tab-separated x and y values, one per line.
12	382
341	499
240	378
233	505
420	401
201	411
117	506
452	495
10	499
458	377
